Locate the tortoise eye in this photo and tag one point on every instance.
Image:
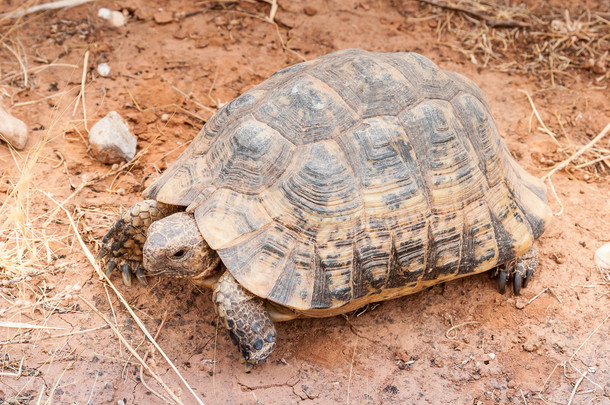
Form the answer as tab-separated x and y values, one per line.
179	254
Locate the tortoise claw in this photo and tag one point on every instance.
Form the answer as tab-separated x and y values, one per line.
517	278
140	276
126	272
103	252
502	278
528	276
110	267
518	271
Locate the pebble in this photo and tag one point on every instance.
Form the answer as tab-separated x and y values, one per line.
530	346
310	11
165	117
221	20
111	141
116	18
602	257
12	130
163	17
520	304
103	69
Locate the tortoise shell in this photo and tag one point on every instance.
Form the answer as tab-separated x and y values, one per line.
353	178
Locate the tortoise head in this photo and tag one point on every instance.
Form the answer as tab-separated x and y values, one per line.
175	247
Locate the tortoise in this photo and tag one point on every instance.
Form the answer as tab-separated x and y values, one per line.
349	179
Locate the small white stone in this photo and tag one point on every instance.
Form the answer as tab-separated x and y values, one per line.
116	18
492	356
602	257
165	117
12	130
111	141
104	13
103	69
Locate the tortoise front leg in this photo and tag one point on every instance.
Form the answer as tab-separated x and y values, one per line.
124	241
246	318
519	270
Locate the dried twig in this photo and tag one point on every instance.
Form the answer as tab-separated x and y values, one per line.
19	325
17	374
576	388
214	358
458	326
547	289
81	94
21	64
552	187
523	396
61	93
489	21
351	369
582	150
135	103
212	88
273	10
547	379
194	100
277	29
47	6
38	69
79	332
592	162
544	127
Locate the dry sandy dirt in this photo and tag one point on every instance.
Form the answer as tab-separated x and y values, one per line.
460	342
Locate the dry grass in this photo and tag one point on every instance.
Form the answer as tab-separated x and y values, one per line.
546	43
33	239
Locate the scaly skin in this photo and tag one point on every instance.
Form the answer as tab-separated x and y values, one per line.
123	244
246	318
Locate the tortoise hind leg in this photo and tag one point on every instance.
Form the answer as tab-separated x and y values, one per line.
246	318
124	241
519	270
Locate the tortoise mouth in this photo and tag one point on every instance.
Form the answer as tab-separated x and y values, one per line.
176	274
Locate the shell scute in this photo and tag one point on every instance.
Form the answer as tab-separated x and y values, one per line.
306	110
424	75
318	190
369	85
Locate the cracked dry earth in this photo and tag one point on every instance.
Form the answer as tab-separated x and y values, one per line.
460	342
